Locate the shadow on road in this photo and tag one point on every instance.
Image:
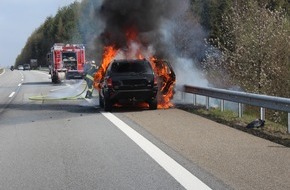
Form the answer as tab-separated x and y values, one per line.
37	83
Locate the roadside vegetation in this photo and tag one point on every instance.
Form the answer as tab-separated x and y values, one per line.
272	131
61	28
248	43
249	48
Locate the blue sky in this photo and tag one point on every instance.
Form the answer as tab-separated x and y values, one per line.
18	19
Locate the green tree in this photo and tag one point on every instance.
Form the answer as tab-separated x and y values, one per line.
210	13
255	50
63	27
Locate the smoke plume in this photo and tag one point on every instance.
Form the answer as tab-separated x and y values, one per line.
141	16
166	28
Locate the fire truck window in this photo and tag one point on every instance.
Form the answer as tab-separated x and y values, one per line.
69	56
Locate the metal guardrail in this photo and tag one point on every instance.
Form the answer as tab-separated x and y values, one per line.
262	101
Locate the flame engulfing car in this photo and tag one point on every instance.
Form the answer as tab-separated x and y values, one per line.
128	81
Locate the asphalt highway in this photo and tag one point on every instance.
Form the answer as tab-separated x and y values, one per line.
73	144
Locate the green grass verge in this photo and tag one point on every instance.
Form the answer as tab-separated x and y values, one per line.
272	131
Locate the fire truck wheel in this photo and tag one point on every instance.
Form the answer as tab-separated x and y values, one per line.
61	75
54	79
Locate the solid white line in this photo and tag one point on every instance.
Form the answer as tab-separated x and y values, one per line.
12	94
183	176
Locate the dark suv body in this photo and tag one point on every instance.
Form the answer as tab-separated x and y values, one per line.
128	81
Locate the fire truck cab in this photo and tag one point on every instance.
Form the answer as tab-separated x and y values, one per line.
66	61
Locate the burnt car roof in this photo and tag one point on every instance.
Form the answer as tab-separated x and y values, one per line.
130	60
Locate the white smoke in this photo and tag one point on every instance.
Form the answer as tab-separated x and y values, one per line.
169	31
91	27
187	73
183	38
135	51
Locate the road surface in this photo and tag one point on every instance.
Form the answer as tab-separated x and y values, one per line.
73	144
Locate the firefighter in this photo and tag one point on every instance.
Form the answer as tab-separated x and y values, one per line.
90	69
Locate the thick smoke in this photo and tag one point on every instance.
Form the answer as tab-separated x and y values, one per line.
166	29
138	16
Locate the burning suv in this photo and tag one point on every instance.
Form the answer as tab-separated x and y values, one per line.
128	81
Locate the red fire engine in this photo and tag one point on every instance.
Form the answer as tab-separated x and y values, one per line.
66	61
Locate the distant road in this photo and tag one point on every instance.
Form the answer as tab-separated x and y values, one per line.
9	84
73	144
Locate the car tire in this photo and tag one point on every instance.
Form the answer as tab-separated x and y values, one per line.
153	104
54	79
107	105
101	100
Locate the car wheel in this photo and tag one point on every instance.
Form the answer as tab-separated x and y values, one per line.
153	104
107	105
101	100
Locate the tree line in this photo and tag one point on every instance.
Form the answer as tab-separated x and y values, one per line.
248	46
61	28
248	43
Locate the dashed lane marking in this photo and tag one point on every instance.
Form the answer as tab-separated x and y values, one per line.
11	95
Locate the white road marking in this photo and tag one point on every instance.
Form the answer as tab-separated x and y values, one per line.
183	176
11	95
19	84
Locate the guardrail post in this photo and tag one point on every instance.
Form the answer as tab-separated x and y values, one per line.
288	123
262	113
194	100
183	96
222	102
240	110
207	103
267	102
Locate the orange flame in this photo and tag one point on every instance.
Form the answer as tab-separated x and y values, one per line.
166	82
108	55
